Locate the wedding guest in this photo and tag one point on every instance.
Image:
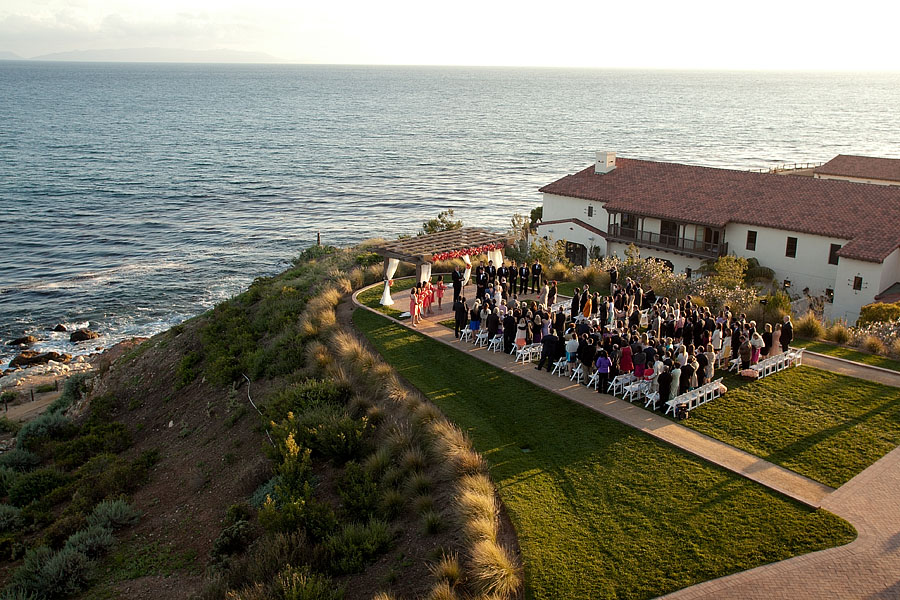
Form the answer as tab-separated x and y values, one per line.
439	290
524	272
787	334
536	270
461	314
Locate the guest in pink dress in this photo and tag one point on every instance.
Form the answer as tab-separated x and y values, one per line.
439	290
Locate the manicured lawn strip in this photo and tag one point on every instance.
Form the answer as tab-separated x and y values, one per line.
823	425
602	510
566	288
847	353
399	292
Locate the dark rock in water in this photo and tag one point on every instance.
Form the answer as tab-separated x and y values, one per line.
30	357
22	341
60	327
81	335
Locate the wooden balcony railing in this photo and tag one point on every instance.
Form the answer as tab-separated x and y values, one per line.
671	243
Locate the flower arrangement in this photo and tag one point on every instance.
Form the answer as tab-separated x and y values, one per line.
473	251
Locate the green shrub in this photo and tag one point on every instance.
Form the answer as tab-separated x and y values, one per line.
350	549
838	333
63	528
18	459
305	514
233	539
392	503
66	573
358	492
262	492
239	511
229	342
73	390
8	426
93	542
114	514
108	476
50	425
309	395
878	311
378	462
432	522
7	478
10	518
108	437
332	433
35	485
809	326
186	372
302	584
8	397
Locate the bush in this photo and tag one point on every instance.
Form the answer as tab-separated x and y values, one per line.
309	395
594	277
47	426
809	326
493	570
239	511
878	311
895	347
109	437
302	584
358	492
8	426
35	485
356	544
7	478
114	514
10	518
186	371
873	345
93	542
266	490
73	390
838	333
18	459
46	574
233	539
63	528
558	272
305	514
332	433
392	503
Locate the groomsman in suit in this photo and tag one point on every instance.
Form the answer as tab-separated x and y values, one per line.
512	276
503	273
523	278
491	272
457	283
536	269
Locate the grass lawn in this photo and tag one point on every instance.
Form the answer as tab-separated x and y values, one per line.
823	425
848	353
566	288
602	510
399	292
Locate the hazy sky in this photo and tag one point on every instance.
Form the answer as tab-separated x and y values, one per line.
857	35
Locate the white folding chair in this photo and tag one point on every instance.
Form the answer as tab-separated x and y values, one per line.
523	354
634	391
465	335
594	381
734	365
577	374
482	338
560	367
652	398
536	350
496	344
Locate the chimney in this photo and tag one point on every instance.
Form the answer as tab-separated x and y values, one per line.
606	162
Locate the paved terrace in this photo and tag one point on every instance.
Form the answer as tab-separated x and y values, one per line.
868	567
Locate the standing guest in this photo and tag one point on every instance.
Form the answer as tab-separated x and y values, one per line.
427	298
638	359
757	344
613	279
664	383
552	294
603	365
559	322
524	272
461	314
414	306
512	276
502	272
475	319
776	340
491	271
457	283
710	362
787	333
493	323
439	290
686	379
509	331
481	282
521	333
576	303
676	382
702	360
588	307
745	352
585	296
549	345
735	341
536	270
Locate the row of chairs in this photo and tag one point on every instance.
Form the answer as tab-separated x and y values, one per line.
696	397
792	358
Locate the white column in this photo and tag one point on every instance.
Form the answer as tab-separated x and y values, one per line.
426	273
390	267
468	272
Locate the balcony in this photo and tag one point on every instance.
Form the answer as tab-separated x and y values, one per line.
669	243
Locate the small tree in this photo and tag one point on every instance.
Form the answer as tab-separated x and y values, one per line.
443	222
537	214
728	271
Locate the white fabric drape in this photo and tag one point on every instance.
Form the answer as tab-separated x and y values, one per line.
426	273
389	270
496	256
468	272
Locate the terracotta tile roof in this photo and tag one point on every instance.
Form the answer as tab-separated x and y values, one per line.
578	222
866	215
864	167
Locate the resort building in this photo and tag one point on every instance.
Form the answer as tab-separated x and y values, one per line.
823	237
861	169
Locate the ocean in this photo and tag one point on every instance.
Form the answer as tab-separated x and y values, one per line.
135	196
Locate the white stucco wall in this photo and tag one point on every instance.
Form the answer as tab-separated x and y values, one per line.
809	269
572	232
848	301
679	261
564	207
890	271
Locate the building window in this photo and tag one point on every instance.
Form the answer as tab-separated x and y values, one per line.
687	272
590	211
829	295
832	254
751	240
791	250
857	283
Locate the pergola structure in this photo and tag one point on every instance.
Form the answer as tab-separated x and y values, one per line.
424	250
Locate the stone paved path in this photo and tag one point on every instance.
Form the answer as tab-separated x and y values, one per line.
867	568
853	369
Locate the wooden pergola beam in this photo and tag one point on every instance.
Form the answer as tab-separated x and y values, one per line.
420	249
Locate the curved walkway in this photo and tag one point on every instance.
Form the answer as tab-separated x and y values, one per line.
852	369
867	568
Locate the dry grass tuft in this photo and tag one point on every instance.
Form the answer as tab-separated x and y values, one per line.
376	415
378	462
476	530
447	569
426	412
256	591
413	459
838	333
478	483
809	326
384	596
423	503
317	354
442	591
418	484
344	285
873	345
466	461
895	347
448	438
493	570
477	504
359	405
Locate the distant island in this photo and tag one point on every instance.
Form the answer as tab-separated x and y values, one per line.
151	55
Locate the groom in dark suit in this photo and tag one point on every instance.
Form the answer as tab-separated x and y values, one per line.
536	270
457	283
523	278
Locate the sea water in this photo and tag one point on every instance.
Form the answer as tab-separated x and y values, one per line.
134	196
